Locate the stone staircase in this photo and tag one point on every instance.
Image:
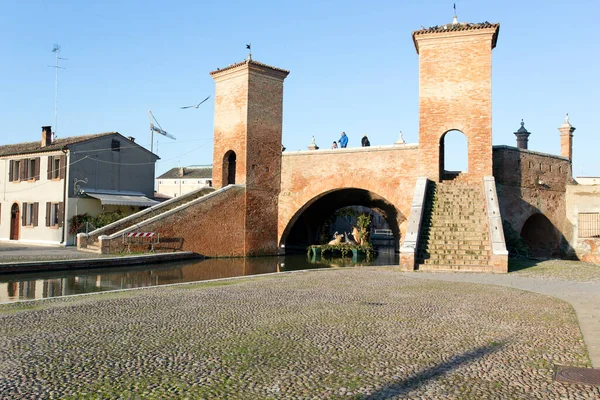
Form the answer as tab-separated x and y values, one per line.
454	231
89	242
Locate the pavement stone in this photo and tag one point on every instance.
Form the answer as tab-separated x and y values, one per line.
355	333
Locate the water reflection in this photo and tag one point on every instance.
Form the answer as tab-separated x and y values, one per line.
62	283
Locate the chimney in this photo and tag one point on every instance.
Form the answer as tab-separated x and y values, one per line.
46	136
522	136
566	139
181	171
131	138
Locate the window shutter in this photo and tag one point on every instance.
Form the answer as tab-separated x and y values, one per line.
37	168
49	173
48	213
36	209
61	213
24	216
63	168
22	167
11	167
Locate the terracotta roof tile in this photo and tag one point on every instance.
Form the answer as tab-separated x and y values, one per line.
461	26
249	62
36	147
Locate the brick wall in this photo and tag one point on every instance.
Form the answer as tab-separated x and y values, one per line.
455	93
583	199
213	227
528	183
389	172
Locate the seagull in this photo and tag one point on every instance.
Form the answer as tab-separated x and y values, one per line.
197	105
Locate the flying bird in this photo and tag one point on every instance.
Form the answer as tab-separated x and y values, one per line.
197	105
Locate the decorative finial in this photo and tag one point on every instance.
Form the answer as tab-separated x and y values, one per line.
455	19
522	123
312	143
249	47
400	139
567	119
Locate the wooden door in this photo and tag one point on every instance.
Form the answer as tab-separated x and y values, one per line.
14	222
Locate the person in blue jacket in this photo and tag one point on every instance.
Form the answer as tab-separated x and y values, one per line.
343	140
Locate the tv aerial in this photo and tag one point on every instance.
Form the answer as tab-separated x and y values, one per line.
158	129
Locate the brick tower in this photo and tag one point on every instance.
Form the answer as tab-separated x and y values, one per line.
247	144
455	93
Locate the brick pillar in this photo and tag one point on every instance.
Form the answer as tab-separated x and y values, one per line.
455	92
248	122
566	139
522	136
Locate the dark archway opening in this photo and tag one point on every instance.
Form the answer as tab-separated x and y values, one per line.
14	222
454	155
305	228
541	236
229	161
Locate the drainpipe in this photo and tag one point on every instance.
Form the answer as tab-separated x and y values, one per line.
64	229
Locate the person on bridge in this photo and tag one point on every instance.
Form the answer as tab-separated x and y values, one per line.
365	141
343	140
334	145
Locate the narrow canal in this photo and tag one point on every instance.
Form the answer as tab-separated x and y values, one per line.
41	285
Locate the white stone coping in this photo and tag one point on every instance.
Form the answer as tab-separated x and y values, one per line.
351	150
413	229
138	214
496	231
167	213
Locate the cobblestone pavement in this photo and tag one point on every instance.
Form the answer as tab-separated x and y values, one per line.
559	270
348	333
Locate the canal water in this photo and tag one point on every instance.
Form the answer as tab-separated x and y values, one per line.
42	285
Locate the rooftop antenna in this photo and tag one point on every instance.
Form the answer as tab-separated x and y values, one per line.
455	19
56	51
249	47
157	129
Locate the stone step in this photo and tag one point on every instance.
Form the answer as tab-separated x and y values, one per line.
455	267
454	246
458	262
455	257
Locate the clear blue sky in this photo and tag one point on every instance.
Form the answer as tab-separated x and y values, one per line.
353	68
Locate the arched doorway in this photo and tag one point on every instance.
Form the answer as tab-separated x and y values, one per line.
541	236
229	168
454	154
14	222
306	227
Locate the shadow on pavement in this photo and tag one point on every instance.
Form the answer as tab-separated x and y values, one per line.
413	382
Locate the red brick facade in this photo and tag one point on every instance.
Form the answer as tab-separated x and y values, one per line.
455	93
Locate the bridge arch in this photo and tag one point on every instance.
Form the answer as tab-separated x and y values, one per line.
303	228
542	237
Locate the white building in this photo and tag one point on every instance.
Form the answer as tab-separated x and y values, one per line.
43	184
182	180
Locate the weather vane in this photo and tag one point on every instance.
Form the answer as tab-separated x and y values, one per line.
249	47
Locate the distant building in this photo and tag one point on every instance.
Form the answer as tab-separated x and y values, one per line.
182	180
43	184
588	180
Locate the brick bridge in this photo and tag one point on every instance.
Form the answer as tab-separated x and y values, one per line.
267	199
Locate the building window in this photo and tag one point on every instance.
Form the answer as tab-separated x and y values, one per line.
31	169
589	225
183	182
550	167
15	171
115	145
55	167
30	214
54	214
530	164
